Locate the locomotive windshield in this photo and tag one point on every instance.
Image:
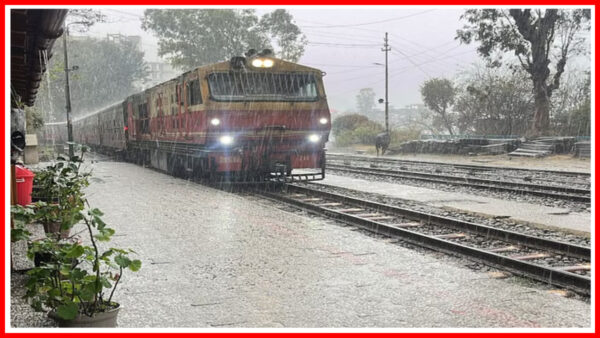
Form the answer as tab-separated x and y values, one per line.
263	86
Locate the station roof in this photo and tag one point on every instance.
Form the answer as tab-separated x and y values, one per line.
32	35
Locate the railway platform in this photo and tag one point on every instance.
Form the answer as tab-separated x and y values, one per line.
528	213
217	260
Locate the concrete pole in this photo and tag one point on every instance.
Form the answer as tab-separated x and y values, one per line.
68	95
386	49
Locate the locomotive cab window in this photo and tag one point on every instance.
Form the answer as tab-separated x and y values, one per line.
194	95
262	86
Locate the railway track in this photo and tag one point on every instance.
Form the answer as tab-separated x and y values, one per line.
469	167
557	263
551	191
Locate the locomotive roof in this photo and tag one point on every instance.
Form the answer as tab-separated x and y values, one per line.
279	65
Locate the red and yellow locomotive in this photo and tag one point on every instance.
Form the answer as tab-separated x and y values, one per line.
249	118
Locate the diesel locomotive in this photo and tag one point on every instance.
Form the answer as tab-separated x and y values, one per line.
250	118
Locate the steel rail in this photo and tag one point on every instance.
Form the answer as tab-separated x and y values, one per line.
484	230
456	165
553	276
472	182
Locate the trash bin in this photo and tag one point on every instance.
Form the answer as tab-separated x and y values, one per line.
24	180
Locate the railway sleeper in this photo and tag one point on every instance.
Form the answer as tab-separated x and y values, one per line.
514	264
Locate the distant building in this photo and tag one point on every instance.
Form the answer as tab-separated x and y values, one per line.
399	117
133	40
159	72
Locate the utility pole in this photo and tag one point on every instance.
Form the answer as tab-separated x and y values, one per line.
68	94
386	48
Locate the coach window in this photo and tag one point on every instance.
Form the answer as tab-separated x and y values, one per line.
193	92
144	118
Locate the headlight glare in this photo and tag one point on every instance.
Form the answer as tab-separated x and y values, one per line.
226	140
314	138
262	63
215	121
268	63
257	63
323	120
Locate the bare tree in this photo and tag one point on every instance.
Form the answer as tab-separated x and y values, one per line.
494	101
540	39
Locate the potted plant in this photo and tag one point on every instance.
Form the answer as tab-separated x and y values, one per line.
77	283
59	194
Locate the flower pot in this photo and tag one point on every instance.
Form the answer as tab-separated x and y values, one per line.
53	228
100	319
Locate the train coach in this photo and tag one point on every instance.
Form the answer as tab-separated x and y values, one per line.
250	118
53	133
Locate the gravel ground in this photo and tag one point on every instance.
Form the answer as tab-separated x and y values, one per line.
21	314
506	224
212	259
551	261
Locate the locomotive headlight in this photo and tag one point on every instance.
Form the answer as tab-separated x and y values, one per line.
215	121
257	63
226	140
323	120
314	138
268	63
262	63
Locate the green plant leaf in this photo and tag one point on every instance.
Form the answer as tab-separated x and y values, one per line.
75	252
96	212
67	311
77	274
107	253
65	271
135	265
18	234
54	293
87	293
105	282
99	223
122	261
104	235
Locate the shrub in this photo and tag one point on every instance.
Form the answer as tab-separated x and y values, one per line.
346	123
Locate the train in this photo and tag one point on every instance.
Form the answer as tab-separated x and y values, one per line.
251	118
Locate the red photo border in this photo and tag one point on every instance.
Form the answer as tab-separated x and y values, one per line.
466	3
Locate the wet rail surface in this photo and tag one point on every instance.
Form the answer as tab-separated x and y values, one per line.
542	190
557	263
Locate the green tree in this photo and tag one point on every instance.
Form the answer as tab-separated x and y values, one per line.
192	37
365	101
280	27
438	95
540	39
107	71
34	119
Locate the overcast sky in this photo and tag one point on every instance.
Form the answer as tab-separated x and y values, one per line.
345	42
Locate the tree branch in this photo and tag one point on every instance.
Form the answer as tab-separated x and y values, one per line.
522	21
